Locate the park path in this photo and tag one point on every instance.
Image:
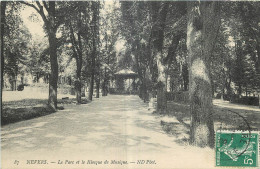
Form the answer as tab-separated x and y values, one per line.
110	128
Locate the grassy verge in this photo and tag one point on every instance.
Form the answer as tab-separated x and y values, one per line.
14	111
11	115
224	119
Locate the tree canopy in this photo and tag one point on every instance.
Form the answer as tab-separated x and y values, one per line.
203	49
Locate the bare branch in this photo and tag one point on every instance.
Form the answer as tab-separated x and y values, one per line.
74	42
46	6
31	5
41	12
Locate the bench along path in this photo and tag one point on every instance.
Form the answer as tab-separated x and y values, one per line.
118	128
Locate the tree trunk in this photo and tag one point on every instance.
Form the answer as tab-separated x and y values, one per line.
92	71
257	64
239	89
161	98
53	57
78	73
95	8
228	87
258	100
223	81
202	28
3	7
97	87
104	85
91	82
78	90
161	86
246	90
37	77
258	68
78	84
212	88
223	93
22	79
159	16
142	75
13	82
185	76
143	90
162	76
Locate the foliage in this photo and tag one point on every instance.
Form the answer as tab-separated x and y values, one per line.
17	39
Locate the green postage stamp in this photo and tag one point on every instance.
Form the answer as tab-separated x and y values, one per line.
237	148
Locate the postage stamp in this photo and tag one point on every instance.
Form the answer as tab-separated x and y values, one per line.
237	148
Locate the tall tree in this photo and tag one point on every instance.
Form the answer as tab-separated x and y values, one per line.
38	60
202	29
52	19
16	40
249	14
77	26
109	34
3	7
168	19
95	21
159	15
77	51
136	29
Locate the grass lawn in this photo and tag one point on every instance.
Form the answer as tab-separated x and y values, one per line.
225	118
14	111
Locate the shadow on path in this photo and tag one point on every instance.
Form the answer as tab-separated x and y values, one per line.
113	121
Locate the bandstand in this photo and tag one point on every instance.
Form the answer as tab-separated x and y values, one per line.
125	82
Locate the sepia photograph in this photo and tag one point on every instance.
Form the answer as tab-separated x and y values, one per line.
130	84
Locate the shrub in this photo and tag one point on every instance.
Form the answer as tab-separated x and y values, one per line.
245	100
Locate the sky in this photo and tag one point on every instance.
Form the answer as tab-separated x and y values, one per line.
33	21
35	27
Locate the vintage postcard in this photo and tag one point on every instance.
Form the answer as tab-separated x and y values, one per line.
130	84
